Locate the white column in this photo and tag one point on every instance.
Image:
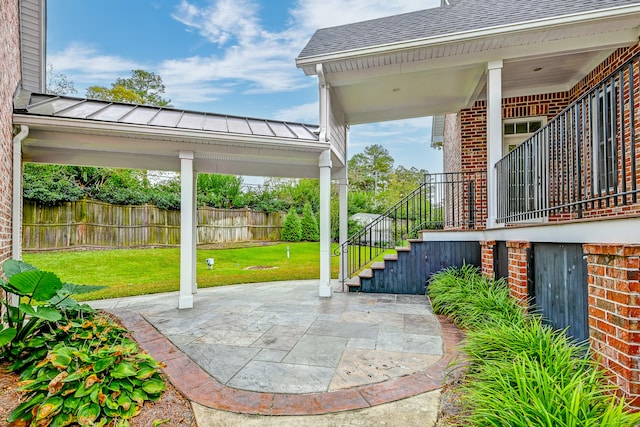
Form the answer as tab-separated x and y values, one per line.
187	277
325	224
344	223
194	197
494	137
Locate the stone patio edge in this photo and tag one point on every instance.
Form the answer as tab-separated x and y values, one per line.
200	387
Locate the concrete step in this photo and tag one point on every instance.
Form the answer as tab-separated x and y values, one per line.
353	284
390	257
367	273
378	265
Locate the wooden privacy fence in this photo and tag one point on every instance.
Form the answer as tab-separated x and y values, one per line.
94	224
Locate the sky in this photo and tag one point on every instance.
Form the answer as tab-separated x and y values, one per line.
233	57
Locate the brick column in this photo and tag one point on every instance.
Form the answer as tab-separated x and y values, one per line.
487	258
518	271
614	314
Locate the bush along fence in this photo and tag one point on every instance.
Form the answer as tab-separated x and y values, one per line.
93	224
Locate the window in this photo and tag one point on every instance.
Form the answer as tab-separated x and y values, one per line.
517	130
603	137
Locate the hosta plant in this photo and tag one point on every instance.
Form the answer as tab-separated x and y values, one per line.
94	376
43	300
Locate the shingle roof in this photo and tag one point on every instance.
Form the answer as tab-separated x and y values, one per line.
462	15
117	112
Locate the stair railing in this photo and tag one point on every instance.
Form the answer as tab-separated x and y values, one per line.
442	201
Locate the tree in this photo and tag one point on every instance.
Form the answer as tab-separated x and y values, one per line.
371	169
220	191
291	229
58	83
143	87
309	224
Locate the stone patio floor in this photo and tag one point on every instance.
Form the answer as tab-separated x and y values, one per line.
278	349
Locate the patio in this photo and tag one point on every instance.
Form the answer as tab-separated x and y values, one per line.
278	349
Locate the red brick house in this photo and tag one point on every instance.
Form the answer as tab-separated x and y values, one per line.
544	97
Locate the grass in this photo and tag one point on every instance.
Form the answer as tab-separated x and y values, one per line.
519	371
128	272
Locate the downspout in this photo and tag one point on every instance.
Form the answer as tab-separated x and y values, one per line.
16	222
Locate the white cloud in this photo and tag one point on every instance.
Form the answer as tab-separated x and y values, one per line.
86	65
246	57
315	14
307	113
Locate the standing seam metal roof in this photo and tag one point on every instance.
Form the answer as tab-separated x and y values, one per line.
115	112
463	15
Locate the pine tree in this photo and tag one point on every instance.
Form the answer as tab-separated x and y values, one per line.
309	224
291	229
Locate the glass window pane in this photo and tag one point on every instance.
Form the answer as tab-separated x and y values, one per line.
509	129
534	126
522	127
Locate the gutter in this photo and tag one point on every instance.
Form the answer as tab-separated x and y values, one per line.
16	214
579	18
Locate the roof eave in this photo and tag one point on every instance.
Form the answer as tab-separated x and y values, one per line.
308	63
65	124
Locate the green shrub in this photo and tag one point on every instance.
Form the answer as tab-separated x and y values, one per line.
309	224
291	229
75	366
471	300
519	371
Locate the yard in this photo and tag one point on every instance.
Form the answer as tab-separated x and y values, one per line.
128	272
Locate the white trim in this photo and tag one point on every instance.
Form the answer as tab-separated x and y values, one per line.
582	17
324	163
16	214
187	277
494	137
597	231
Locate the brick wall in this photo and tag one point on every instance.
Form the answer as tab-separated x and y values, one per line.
487	249
518	279
452	155
9	79
614	313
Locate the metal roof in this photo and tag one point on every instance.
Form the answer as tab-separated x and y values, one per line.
118	112
461	16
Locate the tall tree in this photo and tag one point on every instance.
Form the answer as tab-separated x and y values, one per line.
143	87
371	169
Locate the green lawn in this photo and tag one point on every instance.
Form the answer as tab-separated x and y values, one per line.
129	272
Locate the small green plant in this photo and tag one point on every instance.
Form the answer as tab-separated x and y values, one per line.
43	299
291	229
93	376
471	300
309	224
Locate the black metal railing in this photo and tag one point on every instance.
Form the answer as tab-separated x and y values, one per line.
443	201
582	162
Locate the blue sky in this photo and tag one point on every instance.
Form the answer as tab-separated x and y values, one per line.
225	56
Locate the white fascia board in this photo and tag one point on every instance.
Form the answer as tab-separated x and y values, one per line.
583	17
603	231
169	134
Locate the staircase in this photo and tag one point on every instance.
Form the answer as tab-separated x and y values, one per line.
442	201
408	271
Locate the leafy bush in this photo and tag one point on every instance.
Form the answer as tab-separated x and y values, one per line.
43	299
93	376
520	372
309	224
75	366
291	229
471	300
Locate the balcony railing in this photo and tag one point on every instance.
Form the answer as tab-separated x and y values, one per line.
583	162
442	201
